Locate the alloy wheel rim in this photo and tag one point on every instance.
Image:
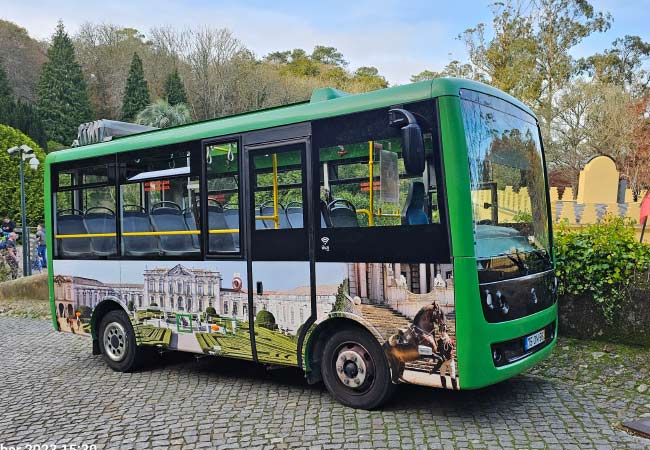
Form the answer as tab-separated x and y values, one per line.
115	343
354	367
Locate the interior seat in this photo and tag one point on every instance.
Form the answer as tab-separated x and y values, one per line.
190	222
342	213
220	242
413	212
72	223
100	220
294	215
267	210
134	222
232	221
166	218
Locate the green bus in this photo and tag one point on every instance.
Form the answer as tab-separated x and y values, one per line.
396	236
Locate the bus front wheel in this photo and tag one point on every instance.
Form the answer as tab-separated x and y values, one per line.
117	342
355	370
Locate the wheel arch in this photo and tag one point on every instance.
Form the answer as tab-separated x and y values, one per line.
103	308
313	348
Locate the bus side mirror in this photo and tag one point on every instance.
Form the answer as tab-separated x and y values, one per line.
412	141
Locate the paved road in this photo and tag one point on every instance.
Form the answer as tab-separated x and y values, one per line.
53	391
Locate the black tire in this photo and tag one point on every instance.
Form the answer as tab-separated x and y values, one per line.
376	387
117	342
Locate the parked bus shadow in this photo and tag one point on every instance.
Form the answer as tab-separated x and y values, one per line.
439	402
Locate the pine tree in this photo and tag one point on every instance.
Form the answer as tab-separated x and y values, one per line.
63	102
136	94
6	93
174	89
19	115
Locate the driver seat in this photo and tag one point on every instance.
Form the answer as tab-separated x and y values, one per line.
413	212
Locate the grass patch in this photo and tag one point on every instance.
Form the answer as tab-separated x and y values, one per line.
33	288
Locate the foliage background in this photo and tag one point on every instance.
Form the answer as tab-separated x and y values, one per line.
10	176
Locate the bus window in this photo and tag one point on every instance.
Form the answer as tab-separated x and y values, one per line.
277	190
222	162
160	203
365	184
85	220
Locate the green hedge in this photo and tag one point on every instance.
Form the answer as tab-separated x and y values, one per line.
603	260
10	176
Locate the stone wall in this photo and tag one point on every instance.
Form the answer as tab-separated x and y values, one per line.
581	317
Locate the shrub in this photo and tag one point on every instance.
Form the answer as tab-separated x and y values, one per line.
266	320
211	311
10	176
601	260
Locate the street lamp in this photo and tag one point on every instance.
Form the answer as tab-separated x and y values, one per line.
27	154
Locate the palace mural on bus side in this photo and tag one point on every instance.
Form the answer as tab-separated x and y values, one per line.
202	307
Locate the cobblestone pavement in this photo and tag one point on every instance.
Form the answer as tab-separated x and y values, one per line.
52	390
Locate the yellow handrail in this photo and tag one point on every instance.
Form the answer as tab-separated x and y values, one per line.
276	215
371	187
146	233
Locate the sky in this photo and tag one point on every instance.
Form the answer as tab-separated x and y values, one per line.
399	38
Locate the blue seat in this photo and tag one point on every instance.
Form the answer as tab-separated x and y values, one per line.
101	223
267	210
138	222
190	221
171	219
219	242
232	220
413	212
342	213
294	215
72	247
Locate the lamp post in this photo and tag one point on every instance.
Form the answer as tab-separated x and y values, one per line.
26	153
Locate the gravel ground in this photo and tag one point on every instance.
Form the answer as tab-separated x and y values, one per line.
54	391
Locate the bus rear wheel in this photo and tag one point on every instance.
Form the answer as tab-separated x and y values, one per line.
355	370
117	342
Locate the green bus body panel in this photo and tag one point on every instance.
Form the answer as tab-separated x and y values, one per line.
50	244
474	335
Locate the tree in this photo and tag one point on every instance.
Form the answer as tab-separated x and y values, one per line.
23	58
592	119
174	89
136	93
455	68
6	92
368	79
162	115
10	174
62	97
561	25
508	59
622	64
328	55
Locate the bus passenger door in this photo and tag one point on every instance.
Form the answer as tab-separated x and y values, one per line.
280	297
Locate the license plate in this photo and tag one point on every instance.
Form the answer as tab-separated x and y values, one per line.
534	339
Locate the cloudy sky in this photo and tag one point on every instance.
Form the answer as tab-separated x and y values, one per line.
400	38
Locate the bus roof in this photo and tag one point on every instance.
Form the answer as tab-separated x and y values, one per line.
324	103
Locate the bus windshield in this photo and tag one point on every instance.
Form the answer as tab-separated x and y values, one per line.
509	203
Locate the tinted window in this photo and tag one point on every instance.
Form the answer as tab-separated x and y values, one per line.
223	213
